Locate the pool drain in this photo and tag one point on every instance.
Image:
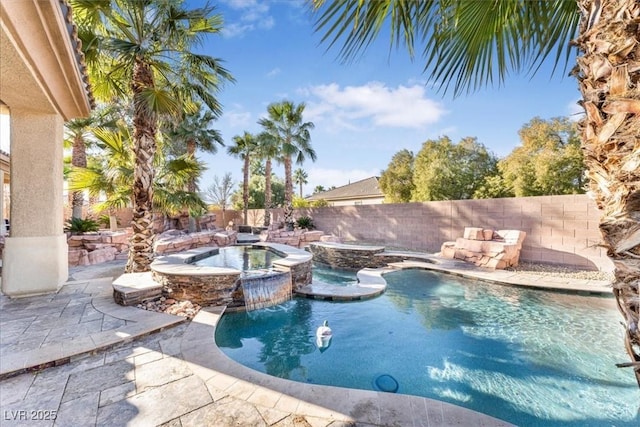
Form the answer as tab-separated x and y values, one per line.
386	383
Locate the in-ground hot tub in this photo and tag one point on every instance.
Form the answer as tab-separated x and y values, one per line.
186	276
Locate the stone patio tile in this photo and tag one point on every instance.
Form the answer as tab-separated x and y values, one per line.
287	403
173	423
160	372
151	408
151	356
15	389
99	378
241	389
79	412
80	330
11	325
227	412
110	323
319	402
12	362
117	393
171	346
264	397
52	322
90	314
272	416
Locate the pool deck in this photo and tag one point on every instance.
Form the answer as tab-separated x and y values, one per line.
77	358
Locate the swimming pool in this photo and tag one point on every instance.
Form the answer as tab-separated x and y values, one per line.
526	356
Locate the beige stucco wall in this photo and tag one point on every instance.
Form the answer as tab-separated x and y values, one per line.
560	229
41	85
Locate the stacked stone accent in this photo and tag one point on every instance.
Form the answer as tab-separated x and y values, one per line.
349	257
135	288
299	238
96	248
174	241
205	289
486	248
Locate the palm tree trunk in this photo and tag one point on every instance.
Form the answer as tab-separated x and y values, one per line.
610	129
245	189
194	223
79	160
144	140
267	193
288	192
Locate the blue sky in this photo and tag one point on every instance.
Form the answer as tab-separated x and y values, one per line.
363	111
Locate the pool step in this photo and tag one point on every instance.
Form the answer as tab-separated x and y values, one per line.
134	288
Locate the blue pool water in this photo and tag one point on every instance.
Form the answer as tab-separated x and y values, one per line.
533	358
241	258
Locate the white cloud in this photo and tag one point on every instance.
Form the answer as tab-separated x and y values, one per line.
238	118
253	15
273	72
337	177
372	104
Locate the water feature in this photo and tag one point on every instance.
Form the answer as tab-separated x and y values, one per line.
264	290
241	258
526	356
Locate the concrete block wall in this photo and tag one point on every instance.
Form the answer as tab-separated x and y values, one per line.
560	229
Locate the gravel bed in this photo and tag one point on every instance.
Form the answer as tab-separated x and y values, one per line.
561	271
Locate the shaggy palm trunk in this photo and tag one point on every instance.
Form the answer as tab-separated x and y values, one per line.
245	189
144	147
194	223
79	160
288	192
267	193
609	77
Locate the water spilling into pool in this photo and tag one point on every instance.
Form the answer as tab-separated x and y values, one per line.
266	290
532	358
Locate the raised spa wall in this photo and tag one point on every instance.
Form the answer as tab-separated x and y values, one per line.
216	286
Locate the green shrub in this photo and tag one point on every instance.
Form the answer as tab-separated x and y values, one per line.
79	225
305	222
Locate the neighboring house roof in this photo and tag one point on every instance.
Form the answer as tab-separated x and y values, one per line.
364	189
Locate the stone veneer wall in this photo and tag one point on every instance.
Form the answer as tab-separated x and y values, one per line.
560	229
203	289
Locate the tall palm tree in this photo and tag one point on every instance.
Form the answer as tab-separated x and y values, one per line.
142	51
78	137
268	150
284	122
192	132
472	43
300	177
244	147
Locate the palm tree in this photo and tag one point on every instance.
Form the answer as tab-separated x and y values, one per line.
245	146
472	43
109	174
192	132
141	51
268	149
78	138
300	177
284	122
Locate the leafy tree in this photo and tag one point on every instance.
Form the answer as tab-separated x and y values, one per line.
285	123
219	193
300	177
493	187
244	147
257	193
319	189
473	43
549	161
447	171
141	51
396	182
268	149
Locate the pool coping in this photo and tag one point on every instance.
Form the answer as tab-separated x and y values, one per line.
223	374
